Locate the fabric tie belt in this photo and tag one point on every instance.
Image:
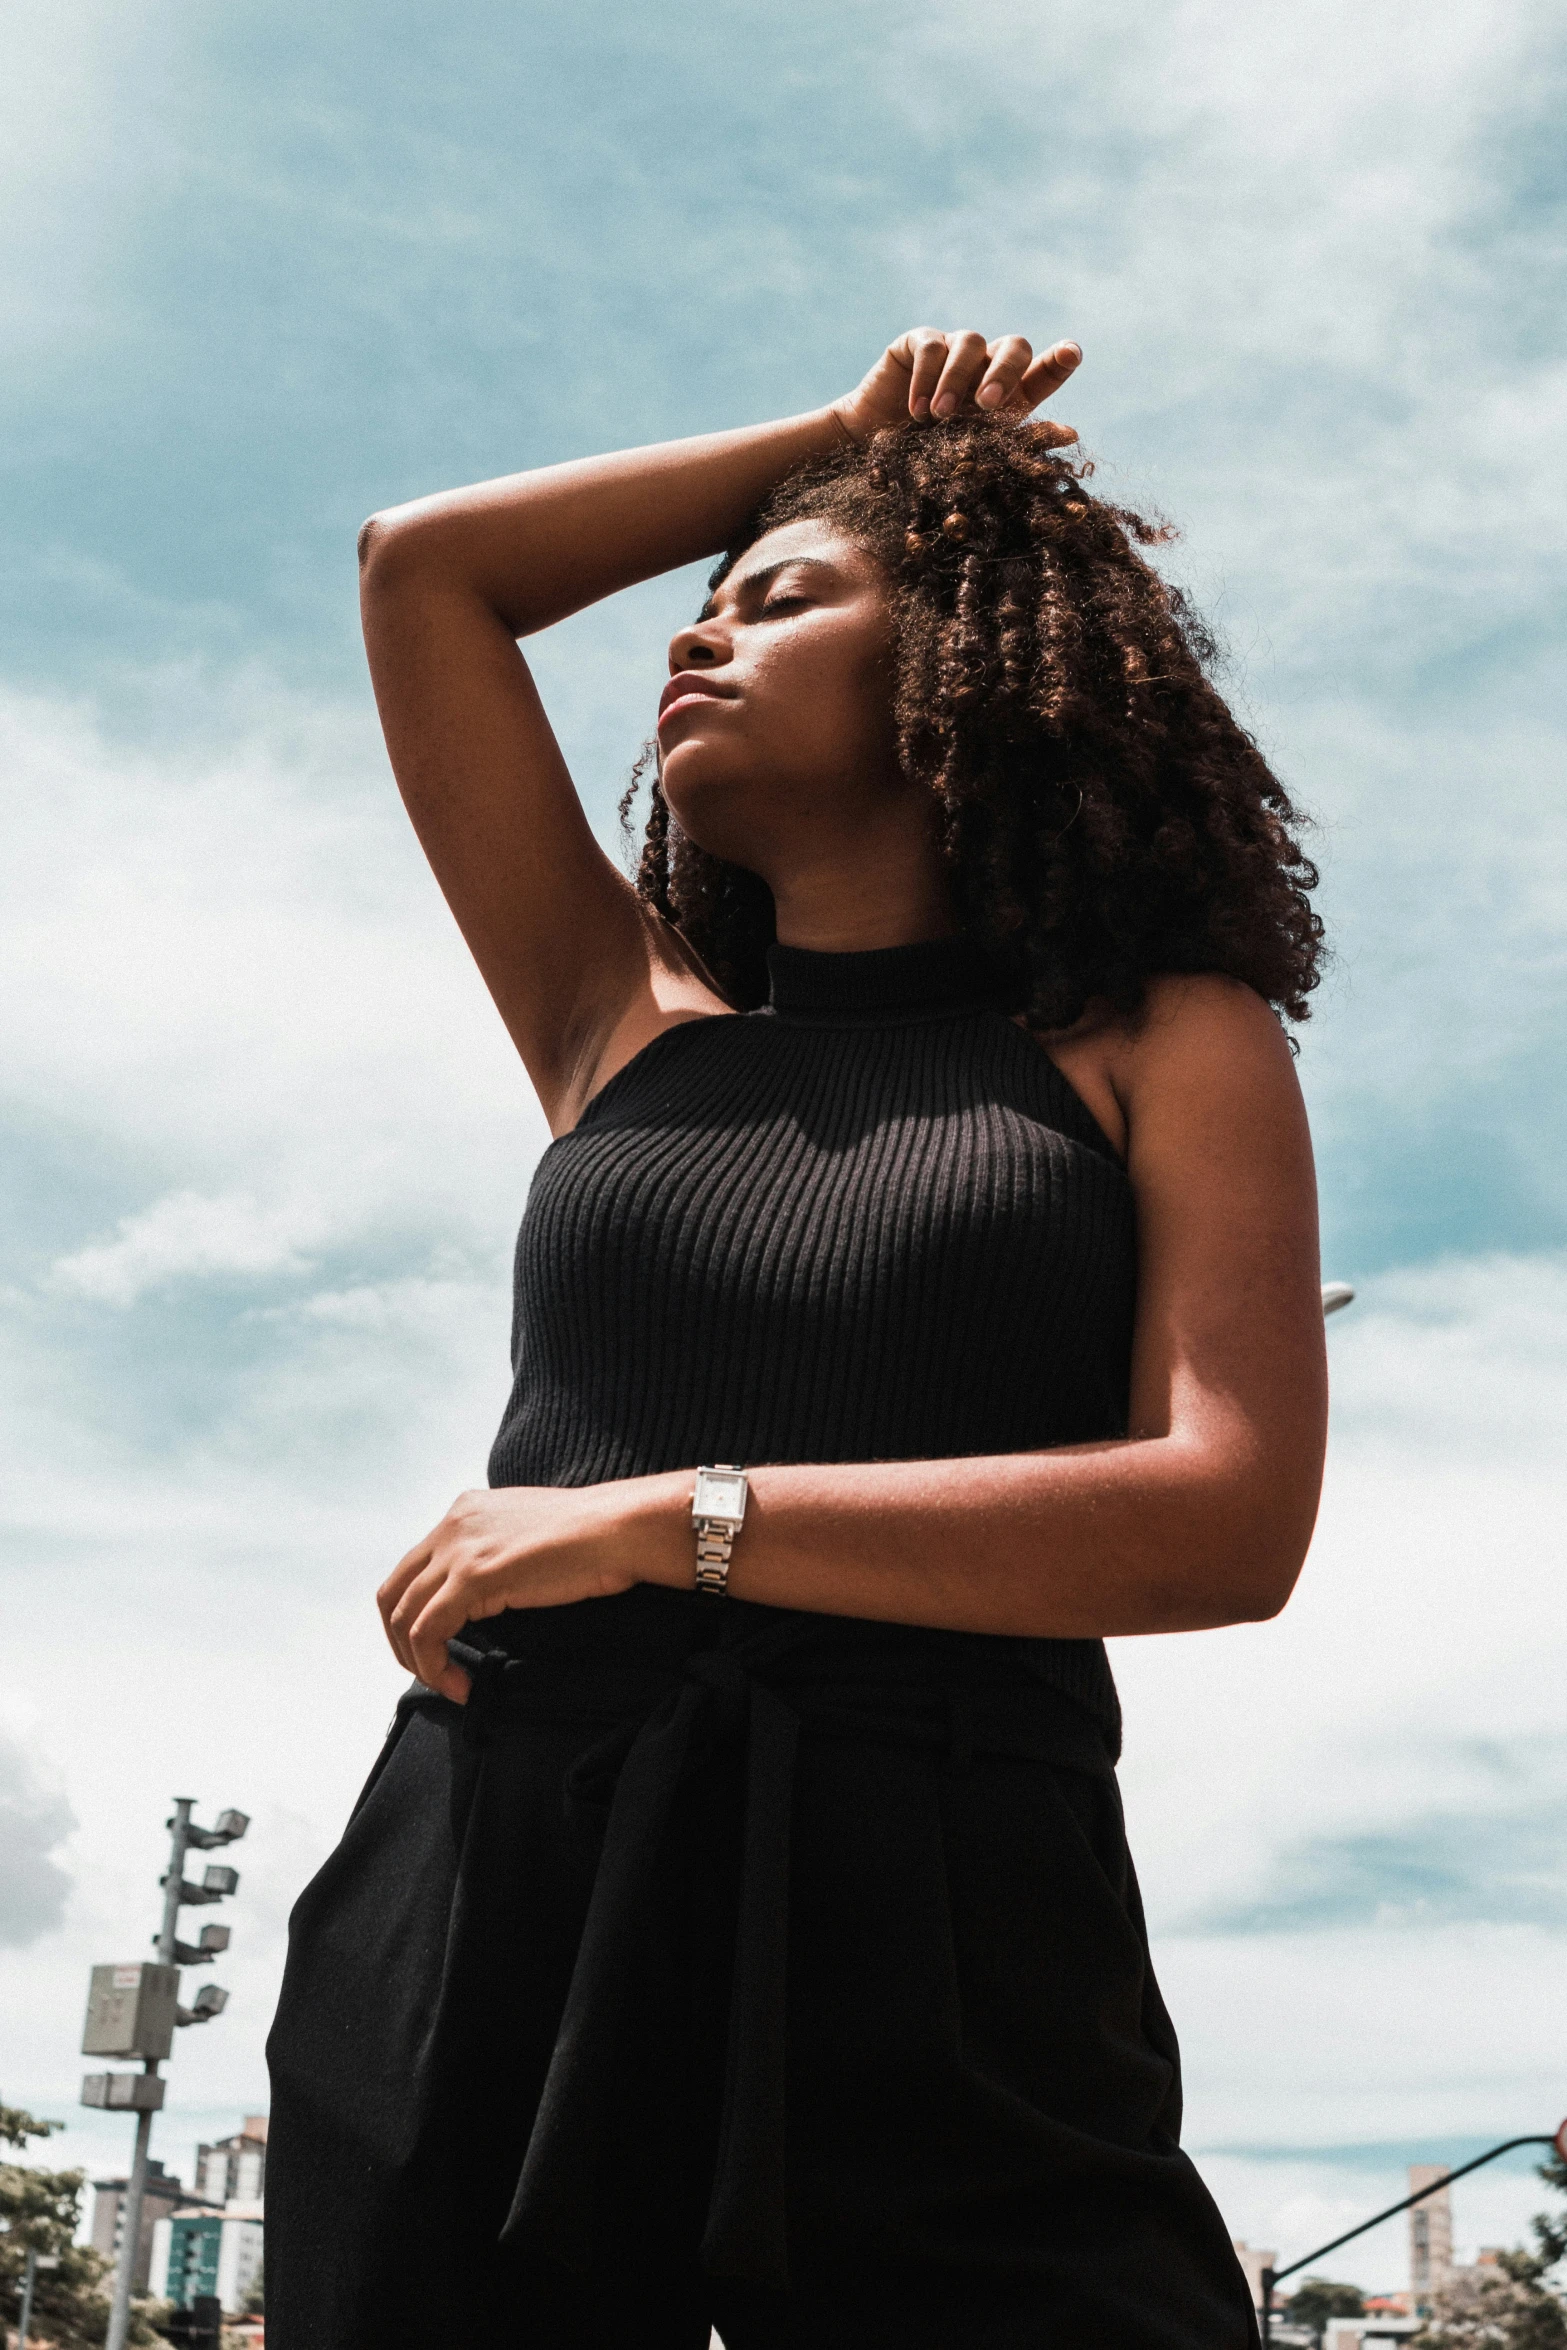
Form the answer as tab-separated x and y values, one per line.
735	1703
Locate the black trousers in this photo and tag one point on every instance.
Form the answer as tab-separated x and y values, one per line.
715	1967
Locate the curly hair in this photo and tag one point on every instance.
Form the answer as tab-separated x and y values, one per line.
1101	815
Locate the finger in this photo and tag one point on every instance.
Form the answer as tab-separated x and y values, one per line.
928	353
1047	374
391	1592
446	1610
410	1606
1009	362
967	359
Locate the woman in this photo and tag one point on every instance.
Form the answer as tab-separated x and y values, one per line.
739	1927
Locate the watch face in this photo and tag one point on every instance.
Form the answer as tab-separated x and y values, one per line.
719	1495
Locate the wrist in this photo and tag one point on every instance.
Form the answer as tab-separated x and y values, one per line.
656	1526
821	432
847	434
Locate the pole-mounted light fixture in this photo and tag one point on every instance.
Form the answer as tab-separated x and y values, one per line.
135	2010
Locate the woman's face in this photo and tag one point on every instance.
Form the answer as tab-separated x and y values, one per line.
775	730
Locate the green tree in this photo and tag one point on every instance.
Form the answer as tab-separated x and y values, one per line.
1318	2299
1509	2306
1550	2227
1493	2309
16	2127
40	2210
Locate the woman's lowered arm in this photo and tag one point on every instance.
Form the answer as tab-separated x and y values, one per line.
1200	1516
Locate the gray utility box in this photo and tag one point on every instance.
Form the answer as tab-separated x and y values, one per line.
125	2092
130	2010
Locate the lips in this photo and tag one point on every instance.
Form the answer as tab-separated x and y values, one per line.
689	686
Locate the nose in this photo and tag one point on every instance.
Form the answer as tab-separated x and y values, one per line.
701	646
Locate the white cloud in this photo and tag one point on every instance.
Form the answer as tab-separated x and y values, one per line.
1315	296
1465	1360
67	73
1371	1788
34	1820
223	960
185	1235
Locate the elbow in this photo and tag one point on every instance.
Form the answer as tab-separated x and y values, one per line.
377	538
1246	1542
396	549
1207	1590
1261	1581
398	554
1266	1596
413	552
1242	1573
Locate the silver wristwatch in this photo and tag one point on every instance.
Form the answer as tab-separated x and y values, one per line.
717	1509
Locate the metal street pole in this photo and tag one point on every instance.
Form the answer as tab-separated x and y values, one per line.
35	2261
130	2226
135	2010
136	2186
1275	2276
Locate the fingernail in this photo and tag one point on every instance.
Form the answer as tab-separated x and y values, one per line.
989	397
921	409
1077	348
944	404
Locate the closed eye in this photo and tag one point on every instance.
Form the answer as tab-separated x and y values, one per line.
783	604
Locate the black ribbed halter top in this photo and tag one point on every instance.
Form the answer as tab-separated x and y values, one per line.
871	1221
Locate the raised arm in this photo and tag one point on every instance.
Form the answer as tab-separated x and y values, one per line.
447	587
577	968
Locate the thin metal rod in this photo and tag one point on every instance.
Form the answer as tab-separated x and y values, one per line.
1274	2276
184	1805
1394	2209
28	2274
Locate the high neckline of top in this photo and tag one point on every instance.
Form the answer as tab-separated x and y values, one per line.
937	975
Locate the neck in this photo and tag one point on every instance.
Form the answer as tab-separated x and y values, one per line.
871	900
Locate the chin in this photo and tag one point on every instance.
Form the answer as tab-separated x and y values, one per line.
718	813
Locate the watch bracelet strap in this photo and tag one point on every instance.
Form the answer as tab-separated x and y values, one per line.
715	1541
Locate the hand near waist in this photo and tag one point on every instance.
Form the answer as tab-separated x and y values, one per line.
520	1546
1159	1533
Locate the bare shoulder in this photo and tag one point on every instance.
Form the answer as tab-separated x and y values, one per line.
1199	1023
1198	1047
1208	1081
1218	1142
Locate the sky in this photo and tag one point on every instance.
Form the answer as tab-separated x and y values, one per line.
266	270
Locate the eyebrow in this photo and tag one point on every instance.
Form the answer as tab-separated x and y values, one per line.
764	577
